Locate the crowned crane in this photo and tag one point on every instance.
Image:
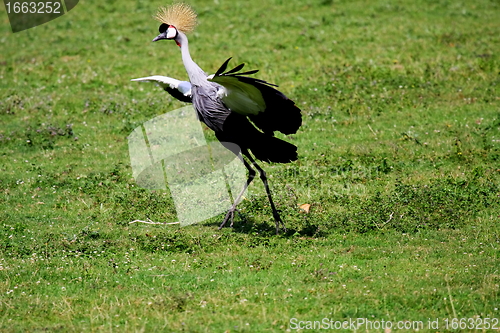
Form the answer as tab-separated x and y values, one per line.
240	110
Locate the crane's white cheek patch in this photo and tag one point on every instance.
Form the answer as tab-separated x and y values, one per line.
171	33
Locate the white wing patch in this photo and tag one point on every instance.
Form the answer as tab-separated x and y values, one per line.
164	81
240	97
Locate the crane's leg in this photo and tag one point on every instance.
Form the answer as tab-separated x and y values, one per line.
277	218
230	213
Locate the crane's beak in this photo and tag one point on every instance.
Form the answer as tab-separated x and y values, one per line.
160	37
170	33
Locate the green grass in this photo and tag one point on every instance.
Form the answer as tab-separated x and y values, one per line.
399	160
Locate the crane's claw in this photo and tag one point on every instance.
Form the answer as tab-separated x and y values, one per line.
278	221
229	216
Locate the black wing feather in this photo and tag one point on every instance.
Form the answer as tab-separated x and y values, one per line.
249	80
247	73
222	68
235	69
281	113
177	94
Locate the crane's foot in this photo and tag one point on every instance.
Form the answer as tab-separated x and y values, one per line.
279	222
229	217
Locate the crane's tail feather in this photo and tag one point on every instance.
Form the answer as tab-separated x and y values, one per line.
272	149
265	147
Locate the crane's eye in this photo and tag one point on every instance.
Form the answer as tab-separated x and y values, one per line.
163	27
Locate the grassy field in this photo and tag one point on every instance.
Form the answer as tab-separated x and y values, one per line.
399	160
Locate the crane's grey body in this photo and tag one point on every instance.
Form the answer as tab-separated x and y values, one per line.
209	107
226	102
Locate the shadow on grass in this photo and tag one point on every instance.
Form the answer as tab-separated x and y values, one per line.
246	225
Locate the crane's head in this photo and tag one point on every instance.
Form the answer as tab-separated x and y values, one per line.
177	17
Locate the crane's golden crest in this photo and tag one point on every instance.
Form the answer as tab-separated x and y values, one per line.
180	15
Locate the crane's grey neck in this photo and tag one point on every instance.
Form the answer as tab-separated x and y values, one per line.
196	75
